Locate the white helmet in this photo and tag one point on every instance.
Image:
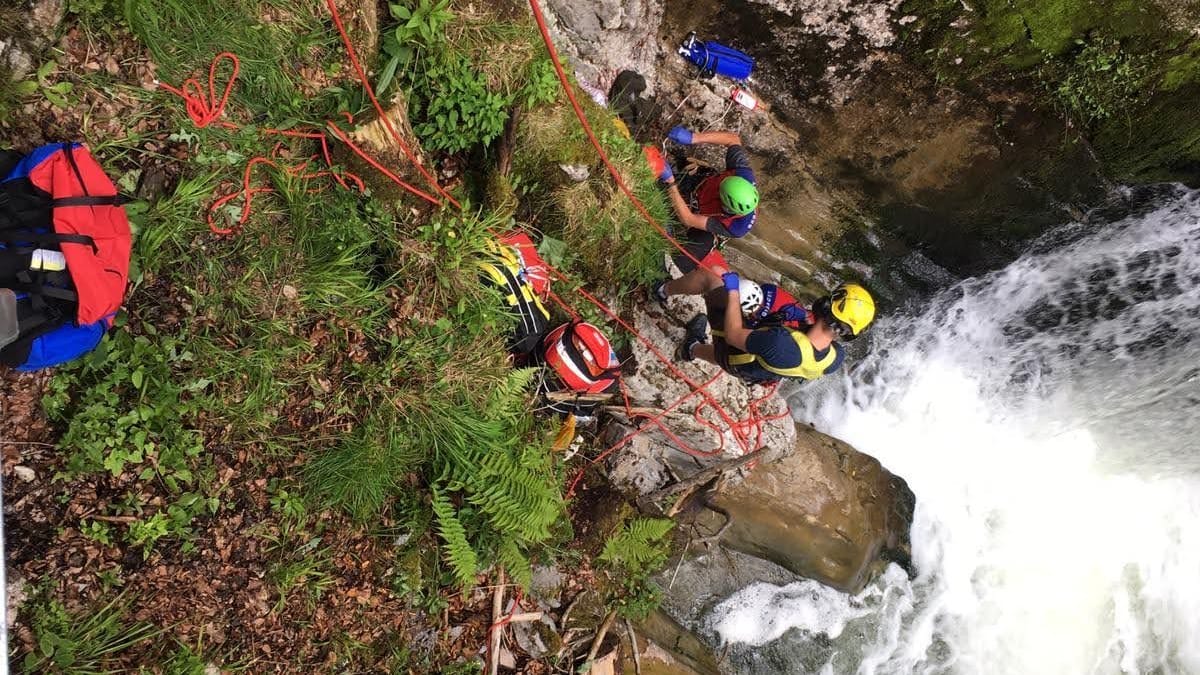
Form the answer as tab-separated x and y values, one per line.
751	295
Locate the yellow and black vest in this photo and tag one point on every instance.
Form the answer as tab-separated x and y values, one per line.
810	367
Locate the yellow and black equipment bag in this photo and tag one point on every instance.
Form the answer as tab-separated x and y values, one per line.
504	270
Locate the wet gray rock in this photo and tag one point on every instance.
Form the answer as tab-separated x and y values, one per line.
26	30
607	36
826	512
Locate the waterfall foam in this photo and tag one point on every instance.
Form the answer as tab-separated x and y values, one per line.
1044	415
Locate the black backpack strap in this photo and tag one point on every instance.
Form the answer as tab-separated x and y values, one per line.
45	238
69	153
41	285
114	200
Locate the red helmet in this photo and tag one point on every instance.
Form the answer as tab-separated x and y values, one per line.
582	358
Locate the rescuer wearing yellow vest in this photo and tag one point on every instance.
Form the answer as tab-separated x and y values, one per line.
768	353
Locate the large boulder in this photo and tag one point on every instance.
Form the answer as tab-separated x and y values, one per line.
825	511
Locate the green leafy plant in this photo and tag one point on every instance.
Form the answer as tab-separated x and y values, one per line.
639	546
80	642
175	522
1102	80
452	107
541	83
421	21
97	531
55	92
421	25
123	410
636	551
93	9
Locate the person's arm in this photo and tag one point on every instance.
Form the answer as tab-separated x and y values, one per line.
685	136
683	212
735	331
716	137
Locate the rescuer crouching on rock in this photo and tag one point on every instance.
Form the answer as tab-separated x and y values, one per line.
780	339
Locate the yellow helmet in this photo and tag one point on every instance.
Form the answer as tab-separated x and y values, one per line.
848	309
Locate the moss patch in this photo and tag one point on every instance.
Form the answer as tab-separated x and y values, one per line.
1121	72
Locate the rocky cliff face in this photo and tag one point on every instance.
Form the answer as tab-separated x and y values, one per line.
910	141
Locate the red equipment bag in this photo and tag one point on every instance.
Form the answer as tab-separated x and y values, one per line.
57	200
582	358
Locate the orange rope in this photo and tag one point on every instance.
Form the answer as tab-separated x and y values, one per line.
201	107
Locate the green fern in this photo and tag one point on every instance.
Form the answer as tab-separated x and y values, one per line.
639	546
515	562
457	549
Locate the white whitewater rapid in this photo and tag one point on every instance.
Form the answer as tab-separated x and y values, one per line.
1046	416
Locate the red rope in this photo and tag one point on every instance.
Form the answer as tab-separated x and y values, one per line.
201	107
387	122
587	129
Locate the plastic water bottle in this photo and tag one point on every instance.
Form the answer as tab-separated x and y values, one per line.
744	98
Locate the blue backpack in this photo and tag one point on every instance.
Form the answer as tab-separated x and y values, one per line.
714	58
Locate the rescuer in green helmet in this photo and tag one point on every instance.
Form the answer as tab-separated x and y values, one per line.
709	204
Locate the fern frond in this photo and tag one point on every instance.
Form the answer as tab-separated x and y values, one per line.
515	562
639	546
455	547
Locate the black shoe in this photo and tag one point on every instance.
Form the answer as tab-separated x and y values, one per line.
658	292
697	334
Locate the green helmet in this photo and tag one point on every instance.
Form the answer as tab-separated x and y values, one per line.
738	196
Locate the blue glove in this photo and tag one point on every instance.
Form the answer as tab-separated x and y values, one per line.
796	313
666	174
681	134
732	281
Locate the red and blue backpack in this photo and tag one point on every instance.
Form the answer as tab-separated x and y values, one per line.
64	255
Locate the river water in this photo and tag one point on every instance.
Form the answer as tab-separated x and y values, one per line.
1045	415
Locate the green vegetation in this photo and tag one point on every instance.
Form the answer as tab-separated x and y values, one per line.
626	250
80	642
1122	73
1101	81
332	365
637	550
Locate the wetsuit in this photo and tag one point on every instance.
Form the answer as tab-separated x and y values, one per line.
702	192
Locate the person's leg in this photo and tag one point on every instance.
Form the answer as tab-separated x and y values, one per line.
697	280
706	352
716	299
